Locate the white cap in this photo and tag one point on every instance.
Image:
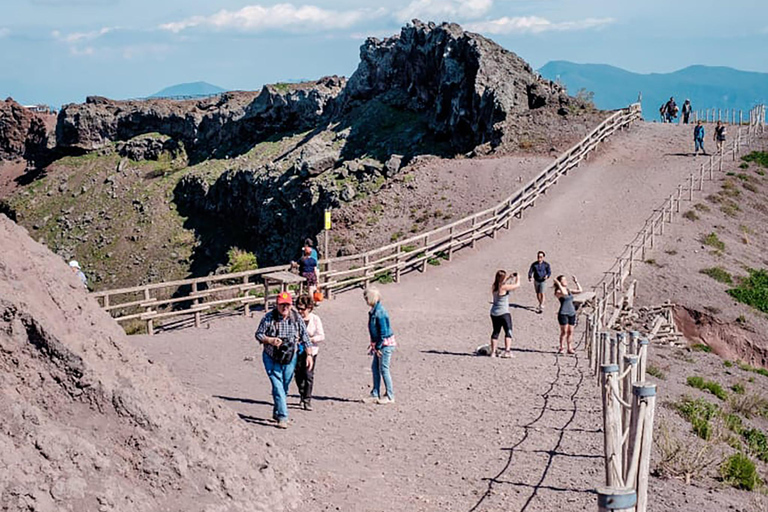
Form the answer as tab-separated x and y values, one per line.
74	264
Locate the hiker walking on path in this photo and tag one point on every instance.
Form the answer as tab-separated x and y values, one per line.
670	109
280	332
698	139
305	374
539	272
719	136
687	109
75	266
382	347
566	316
500	316
308	269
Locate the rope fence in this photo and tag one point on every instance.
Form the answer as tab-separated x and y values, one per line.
619	361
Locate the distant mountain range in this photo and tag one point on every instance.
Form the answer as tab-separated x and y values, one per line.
192	89
705	86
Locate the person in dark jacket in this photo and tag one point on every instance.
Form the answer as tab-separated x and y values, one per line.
671	110
698	139
719	136
566	315
687	109
539	272
308	269
381	347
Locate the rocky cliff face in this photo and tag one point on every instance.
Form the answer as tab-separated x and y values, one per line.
469	85
23	133
212	128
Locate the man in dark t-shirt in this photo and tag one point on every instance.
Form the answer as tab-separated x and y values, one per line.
539	273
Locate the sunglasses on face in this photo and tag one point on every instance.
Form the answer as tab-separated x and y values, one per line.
301	308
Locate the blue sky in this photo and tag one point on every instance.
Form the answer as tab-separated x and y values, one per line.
59	51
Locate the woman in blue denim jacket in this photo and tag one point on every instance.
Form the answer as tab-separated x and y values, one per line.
381	348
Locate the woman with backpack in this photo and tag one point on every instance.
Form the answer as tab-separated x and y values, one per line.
280	332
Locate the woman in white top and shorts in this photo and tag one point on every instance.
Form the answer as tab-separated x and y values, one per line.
500	317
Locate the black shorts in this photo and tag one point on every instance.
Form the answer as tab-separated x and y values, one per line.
566	319
501	322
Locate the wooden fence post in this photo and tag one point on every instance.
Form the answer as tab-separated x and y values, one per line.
630	378
450	245
612	425
196	301
472	242
366	262
690	189
426	250
615	499
647	392
621	350
397	263
643	362
634	337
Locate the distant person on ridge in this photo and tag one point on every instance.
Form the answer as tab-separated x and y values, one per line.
719	136
698	139
663	112
280	332
687	109
671	110
539	272
75	266
566	316
500	316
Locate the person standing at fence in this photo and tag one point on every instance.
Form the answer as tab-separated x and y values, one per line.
698	139
382	346
566	315
687	110
503	283
539	272
305	374
719	136
308	269
281	331
313	252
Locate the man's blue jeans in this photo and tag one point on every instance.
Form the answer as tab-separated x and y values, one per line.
380	369
280	375
699	145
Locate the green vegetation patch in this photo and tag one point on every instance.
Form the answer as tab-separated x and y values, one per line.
753	290
700	347
759	157
701	207
240	260
655	371
690	215
698	412
719	274
756	442
712	240
707	385
739	471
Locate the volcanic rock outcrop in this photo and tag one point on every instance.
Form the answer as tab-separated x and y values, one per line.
211	128
23	133
89	424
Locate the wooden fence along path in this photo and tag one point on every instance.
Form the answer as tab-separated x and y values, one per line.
191	298
619	361
729	116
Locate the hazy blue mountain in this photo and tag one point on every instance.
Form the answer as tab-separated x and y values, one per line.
190	89
705	86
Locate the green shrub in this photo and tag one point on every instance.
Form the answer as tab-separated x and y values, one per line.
743	165
757	443
690	215
701	207
730	208
733	422
759	157
655	371
728	364
240	260
700	347
713	241
738	388
385	278
698	412
396	236
707	385
753	290
408	248
751	187
739	471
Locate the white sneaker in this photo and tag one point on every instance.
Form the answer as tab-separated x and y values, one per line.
386	400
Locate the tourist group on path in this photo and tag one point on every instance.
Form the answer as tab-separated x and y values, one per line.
292	333
668	112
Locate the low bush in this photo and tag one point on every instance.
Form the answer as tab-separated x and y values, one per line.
385	278
713	241
733	422
738	388
690	215
700	347
680	458
240	260
701	207
655	371
759	157
719	274
739	471
708	385
698	412
753	290
757	443
748	405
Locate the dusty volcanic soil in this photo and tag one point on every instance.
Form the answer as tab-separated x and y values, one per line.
467	433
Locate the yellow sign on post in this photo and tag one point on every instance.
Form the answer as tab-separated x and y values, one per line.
327	219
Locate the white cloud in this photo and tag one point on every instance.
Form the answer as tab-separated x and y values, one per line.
534	25
79	37
276	17
444	10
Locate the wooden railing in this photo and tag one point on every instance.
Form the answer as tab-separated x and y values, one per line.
620	365
197	296
756	116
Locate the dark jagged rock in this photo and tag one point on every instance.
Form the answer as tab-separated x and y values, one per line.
210	128
23	133
149	148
